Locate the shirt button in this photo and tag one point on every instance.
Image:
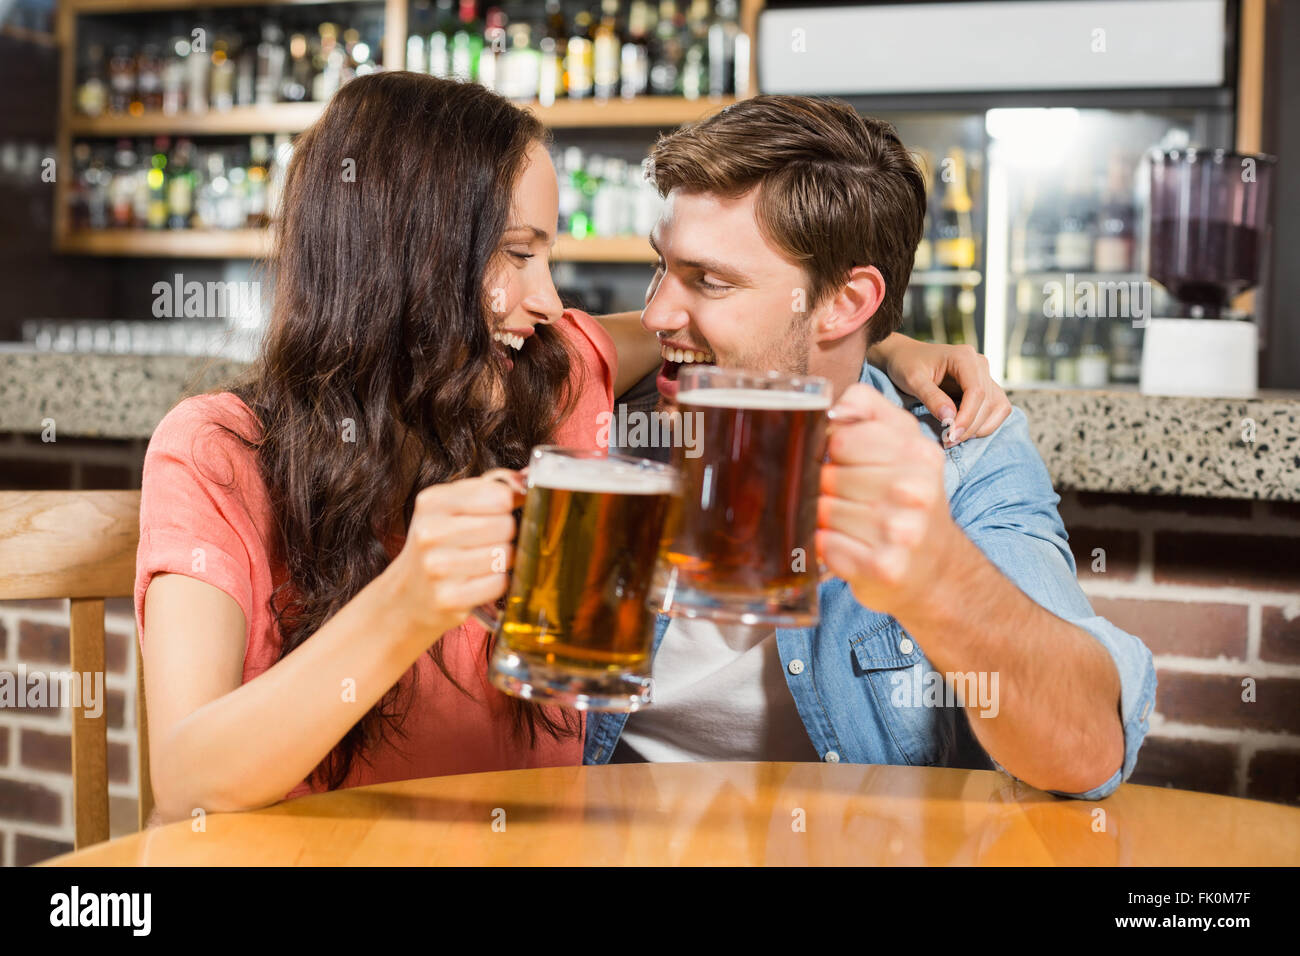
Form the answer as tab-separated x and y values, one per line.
831	757
796	666
905	646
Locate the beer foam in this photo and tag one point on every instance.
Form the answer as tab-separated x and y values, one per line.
754	398
599	475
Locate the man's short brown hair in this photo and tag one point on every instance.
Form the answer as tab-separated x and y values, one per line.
836	189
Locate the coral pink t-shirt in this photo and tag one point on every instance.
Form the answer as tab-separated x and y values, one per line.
212	523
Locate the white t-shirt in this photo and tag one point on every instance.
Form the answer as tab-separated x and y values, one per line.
719	694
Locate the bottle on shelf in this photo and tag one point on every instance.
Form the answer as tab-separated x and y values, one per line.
923	260
1116	228
1125	351
954	245
437	46
221	80
1094	356
417	41
121	78
580	58
667	57
467	43
180	186
271	57
523	66
298	77
607	42
174	72
695	40
634	60
723	29
92	91
1026	360
1076	233
492	53
932	302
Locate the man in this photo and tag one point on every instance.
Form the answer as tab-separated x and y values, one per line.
786	241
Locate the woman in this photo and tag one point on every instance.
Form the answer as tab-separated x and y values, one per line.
313	539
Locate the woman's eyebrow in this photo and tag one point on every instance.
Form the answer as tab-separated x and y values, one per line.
533	231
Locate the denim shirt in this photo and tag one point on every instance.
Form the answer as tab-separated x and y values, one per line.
846	673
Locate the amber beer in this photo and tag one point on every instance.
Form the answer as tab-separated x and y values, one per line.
576	629
739	542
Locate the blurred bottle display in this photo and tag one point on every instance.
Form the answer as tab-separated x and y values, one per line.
603	196
609	49
280	54
161	184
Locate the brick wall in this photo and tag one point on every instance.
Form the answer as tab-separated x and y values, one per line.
35	744
1213	587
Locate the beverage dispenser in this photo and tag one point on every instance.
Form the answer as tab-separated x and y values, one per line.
1209	235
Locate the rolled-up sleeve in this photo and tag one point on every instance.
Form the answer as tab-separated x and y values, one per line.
1004	501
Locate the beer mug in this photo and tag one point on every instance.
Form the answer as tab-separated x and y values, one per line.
576	629
739	541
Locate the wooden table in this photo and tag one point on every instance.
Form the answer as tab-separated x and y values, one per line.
728	813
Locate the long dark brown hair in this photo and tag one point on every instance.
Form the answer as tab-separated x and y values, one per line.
391	220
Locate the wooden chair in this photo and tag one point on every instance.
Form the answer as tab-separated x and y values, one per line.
79	545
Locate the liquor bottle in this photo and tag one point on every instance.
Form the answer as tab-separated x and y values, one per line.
961	318
695	40
741	65
122	191
244	53
437	47
1076	233
634	58
1125	351
92	92
259	149
722	48
270	65
156	176
523	66
467	43
121	79
954	246
297	81
197	74
668	55
417	51
1018	243
180	186
606	47
1094	359
221	81
173	75
492	54
580	58
1025	357
148	80
570	194
327	64
1116	228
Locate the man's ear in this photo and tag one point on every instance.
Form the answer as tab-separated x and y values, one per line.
852	306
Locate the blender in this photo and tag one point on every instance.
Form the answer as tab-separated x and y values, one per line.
1209	236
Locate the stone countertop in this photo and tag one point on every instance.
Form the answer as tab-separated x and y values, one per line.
1110	440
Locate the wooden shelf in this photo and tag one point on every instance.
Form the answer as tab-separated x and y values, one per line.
136	6
169	243
644	111
647	111
256	244
279	118
621	249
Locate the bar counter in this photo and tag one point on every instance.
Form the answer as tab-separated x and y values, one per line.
1110	440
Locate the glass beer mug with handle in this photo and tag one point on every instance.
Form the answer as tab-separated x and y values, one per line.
576	629
739	544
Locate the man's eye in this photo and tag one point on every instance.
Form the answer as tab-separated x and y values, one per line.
705	283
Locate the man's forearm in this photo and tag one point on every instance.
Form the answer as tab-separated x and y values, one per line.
1057	722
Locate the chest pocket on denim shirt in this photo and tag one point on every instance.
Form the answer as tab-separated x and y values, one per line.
895	668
